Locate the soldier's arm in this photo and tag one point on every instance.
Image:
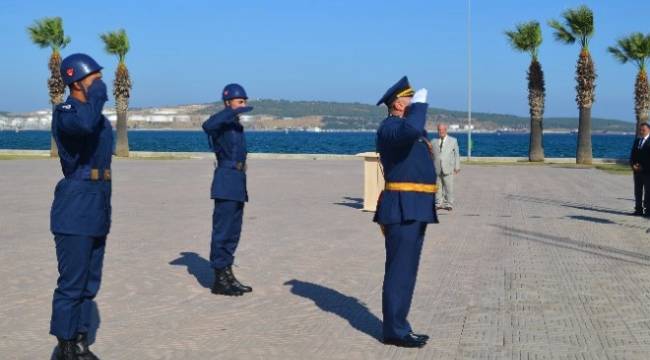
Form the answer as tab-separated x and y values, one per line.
81	119
225	116
408	130
217	120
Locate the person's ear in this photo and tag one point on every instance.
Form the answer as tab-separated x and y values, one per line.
77	86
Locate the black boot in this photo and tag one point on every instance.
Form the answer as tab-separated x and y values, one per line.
409	341
222	284
83	352
235	283
67	350
423	337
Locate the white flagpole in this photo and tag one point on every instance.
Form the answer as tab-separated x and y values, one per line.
469	79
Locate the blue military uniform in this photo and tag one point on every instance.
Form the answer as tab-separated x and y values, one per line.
81	211
405	207
226	137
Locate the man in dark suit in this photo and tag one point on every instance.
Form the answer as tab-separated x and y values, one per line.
640	162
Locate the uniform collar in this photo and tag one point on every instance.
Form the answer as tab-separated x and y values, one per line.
73	100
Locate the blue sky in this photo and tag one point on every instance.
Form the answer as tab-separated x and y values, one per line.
185	51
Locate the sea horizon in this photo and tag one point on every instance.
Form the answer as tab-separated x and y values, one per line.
342	142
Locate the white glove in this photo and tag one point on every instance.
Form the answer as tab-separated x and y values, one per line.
420	96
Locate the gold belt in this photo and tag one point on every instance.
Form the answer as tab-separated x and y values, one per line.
94	175
415	187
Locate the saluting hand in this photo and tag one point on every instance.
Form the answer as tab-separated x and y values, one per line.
420	96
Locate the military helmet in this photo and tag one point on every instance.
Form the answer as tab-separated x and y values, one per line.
77	66
233	91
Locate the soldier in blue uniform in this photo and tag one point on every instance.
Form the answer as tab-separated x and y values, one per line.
406	205
80	218
226	138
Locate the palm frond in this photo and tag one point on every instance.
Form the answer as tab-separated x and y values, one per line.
116	43
618	54
561	34
48	32
580	20
578	24
634	47
527	37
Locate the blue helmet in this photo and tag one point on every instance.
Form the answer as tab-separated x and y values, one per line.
77	66
233	91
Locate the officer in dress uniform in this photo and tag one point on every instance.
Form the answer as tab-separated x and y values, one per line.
80	218
226	137
406	205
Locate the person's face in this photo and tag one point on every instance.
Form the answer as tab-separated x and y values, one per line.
644	130
442	131
88	80
402	103
236	103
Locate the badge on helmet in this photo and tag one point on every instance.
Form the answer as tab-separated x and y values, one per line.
77	66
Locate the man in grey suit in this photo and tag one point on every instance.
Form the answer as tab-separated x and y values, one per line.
447	158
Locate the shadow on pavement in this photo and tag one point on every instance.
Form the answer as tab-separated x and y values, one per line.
355	203
567	204
346	307
196	266
570	244
591	219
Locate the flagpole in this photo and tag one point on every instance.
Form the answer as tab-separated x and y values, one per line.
469	79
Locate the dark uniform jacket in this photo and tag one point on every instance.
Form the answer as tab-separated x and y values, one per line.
226	136
405	156
641	156
85	141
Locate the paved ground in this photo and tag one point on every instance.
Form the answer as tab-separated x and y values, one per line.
535	263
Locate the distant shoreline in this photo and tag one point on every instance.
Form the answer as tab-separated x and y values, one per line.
553	132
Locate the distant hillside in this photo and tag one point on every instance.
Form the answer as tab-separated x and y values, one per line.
304	115
337	115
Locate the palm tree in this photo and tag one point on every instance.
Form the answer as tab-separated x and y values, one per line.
117	43
48	32
527	37
636	48
579	25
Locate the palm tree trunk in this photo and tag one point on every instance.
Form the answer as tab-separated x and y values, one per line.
121	91
56	89
584	151
536	148
122	147
642	98
586	78
536	95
